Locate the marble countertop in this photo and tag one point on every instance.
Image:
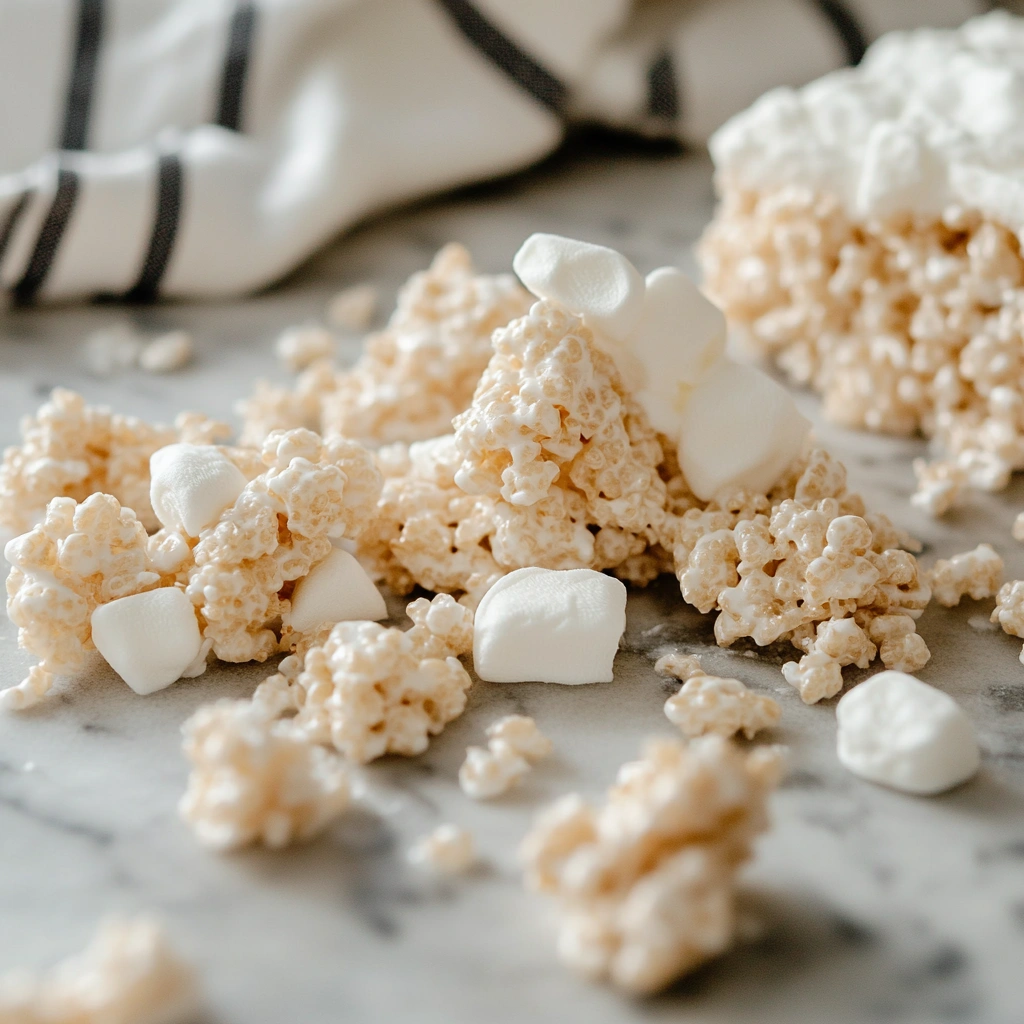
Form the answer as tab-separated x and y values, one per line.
873	906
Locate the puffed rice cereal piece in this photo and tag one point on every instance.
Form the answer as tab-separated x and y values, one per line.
977	573
645	884
257	779
1009	609
300	347
447	850
352	308
513	744
1017	531
128	974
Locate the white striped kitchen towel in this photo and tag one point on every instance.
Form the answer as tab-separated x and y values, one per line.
156	148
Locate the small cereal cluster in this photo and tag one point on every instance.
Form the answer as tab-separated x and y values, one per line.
299	347
513	744
448	850
901	324
127	975
255	778
645	884
1009	609
710	704
977	573
70	449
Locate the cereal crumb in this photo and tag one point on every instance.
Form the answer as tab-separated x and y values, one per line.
514	742
353	308
167	353
448	850
112	350
1018	527
976	573
300	347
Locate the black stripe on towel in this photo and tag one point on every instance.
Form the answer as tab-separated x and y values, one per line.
169	190
516	63
847	27
11	223
662	88
49	239
241	31
77	107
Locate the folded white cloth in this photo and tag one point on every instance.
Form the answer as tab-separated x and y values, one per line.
205	147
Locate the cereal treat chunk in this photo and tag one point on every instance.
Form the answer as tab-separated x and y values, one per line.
881	263
645	884
78	558
513	744
713	704
127	975
281	525
257	779
370	690
1009	609
976	573
70	449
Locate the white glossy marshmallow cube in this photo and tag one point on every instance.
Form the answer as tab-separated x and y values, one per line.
549	626
738	428
903	733
148	639
593	281
191	485
336	590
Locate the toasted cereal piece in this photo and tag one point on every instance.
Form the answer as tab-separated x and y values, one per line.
352	308
675	665
1009	609
300	347
1017	530
521	734
167	353
514	743
447	850
976	573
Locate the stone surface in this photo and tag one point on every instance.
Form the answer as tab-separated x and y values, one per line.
864	904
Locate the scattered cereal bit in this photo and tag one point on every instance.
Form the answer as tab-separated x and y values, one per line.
353	308
676	665
939	485
977	573
112	350
257	779
371	690
300	347
549	626
167	353
448	850
1009	609
646	883
713	704
903	733
514	742
520	733
127	975
1018	527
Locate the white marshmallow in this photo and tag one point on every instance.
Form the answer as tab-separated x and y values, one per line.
678	339
335	590
549	626
738	428
593	281
190	485
149	639
903	733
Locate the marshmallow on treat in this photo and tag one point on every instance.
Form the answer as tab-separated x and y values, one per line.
150	640
336	590
549	626
191	485
903	733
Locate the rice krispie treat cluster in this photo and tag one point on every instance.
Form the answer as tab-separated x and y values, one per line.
645	883
976	574
880	262
514	743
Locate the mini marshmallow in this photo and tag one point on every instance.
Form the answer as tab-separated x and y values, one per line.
549	626
903	733
191	485
739	428
593	281
336	590
150	640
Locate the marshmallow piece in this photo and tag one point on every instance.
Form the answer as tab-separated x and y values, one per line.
678	339
149	639
903	733
549	626
593	281
336	590
191	485
739	428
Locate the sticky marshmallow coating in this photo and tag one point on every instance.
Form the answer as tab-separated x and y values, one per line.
550	626
900	732
191	485
128	974
976	573
645	883
335	590
150	640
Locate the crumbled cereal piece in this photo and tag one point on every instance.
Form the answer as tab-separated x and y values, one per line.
514	742
977	573
520	733
1009	609
167	353
352	308
371	690
70	449
816	676
1017	531
280	526
300	347
257	779
713	704
448	850
128	974
78	558
939	485
645	884
111	350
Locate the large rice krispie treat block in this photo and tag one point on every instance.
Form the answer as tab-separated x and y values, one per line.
413	376
869	239
645	884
